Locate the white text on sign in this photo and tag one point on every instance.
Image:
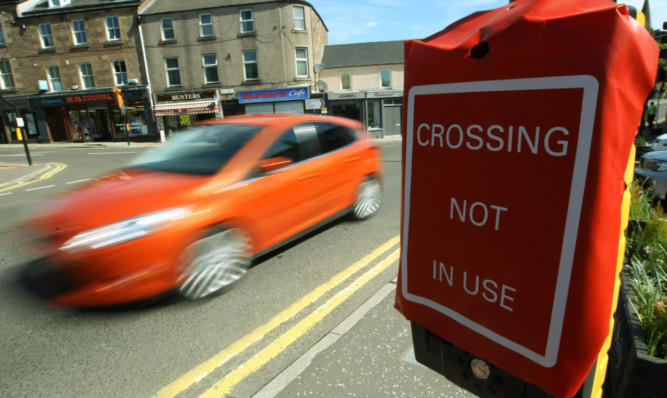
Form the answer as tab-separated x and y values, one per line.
491	291
495	138
478	213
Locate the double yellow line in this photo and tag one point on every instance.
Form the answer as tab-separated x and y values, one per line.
225	385
56	167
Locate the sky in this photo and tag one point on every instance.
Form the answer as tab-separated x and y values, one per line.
355	21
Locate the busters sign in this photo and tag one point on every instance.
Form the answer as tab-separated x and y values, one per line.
281	94
489	234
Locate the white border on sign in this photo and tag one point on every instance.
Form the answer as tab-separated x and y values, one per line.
589	103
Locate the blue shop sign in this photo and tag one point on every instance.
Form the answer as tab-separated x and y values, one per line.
51	101
280	94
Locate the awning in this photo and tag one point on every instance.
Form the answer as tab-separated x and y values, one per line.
190	108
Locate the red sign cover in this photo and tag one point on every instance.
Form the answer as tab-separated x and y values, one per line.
519	126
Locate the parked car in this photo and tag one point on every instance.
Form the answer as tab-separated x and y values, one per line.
192	214
653	170
660	143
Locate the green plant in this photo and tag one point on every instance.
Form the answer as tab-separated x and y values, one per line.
647	269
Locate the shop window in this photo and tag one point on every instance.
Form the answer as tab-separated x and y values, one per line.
299	18
167	28
210	63
385	78
53	73
113	28
79	32
46	35
2	36
173	72
351	110
87	78
247	22
250	68
205	25
301	62
120	72
345	80
374	114
6	77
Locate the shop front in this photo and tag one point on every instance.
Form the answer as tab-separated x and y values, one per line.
379	110
177	111
282	100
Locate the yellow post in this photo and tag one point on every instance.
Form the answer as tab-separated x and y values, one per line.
19	136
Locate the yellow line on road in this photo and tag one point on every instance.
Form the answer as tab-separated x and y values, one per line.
224	386
204	369
57	167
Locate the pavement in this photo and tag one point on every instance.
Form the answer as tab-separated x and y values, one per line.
369	354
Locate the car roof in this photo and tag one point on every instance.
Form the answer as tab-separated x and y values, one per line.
661	155
281	118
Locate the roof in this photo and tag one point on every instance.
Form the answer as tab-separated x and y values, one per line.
363	54
41	7
168	6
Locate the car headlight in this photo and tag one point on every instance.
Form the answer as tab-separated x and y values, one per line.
123	231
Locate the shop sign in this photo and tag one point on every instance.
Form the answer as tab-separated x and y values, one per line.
77	99
186	97
384	94
51	101
347	95
281	94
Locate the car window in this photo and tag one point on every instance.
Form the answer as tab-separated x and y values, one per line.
199	150
333	136
285	146
306	136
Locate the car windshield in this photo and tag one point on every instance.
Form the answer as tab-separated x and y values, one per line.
201	149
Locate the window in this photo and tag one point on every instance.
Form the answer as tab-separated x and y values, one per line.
167	29
373	114
299	18
173	73
79	32
6	77
301	62
345	80
333	136
247	23
58	3
205	25
250	70
120	72
210	63
385	78
54	78
113	28
86	71
47	35
2	36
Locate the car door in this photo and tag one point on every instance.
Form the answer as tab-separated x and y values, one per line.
339	163
281	203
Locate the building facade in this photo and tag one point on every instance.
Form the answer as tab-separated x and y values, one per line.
61	60
364	81
210	58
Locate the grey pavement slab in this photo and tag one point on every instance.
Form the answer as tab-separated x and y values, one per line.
368	355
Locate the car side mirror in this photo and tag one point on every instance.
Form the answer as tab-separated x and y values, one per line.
273	164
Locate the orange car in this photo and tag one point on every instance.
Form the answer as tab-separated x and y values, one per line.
192	214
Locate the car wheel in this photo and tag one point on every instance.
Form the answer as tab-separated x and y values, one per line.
369	199
218	260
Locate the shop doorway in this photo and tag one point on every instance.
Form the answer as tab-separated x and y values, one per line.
99	124
57	125
392	119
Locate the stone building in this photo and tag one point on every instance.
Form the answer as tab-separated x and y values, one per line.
209	58
63	58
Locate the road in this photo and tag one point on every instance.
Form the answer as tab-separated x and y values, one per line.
236	342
